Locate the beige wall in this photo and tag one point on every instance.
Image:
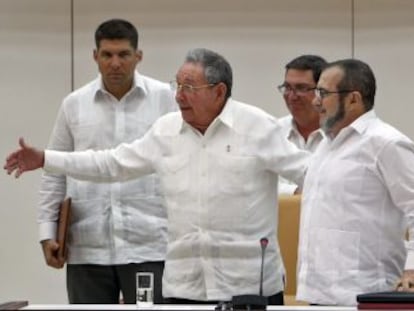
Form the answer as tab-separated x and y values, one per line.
257	37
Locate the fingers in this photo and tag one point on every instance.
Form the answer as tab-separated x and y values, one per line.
55	262
50	248
18	173
13	165
404	285
12	161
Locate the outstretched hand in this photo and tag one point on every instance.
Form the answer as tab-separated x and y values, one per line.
24	159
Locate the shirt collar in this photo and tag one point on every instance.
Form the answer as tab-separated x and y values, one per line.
138	85
293	130
359	126
225	116
362	122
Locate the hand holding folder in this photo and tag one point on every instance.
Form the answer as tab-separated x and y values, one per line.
55	250
63	226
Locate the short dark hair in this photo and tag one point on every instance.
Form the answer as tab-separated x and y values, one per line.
308	62
358	76
117	29
216	68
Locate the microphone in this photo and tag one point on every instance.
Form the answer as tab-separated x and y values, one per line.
263	245
253	302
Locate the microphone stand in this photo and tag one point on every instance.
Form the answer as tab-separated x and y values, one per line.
253	302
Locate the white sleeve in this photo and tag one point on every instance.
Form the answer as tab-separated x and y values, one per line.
53	186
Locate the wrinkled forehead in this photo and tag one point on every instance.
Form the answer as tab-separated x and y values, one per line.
191	72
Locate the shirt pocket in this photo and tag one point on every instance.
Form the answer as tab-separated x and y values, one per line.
174	174
236	174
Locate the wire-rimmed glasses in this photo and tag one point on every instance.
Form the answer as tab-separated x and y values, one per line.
300	90
322	93
175	86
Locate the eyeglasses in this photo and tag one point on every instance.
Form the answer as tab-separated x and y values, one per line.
322	93
300	90
175	86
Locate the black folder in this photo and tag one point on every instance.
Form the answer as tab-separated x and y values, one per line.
390	300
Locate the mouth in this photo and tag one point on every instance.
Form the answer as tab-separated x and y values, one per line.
115	75
184	108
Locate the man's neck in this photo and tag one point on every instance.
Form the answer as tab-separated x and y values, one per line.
119	91
306	130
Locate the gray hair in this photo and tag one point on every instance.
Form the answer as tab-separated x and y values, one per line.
216	68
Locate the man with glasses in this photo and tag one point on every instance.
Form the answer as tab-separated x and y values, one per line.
219	162
358	195
301	126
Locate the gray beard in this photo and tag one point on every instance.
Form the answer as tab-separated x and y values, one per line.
329	123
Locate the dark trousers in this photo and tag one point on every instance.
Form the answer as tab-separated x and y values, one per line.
98	284
276	299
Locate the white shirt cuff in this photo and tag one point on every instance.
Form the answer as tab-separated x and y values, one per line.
47	231
54	161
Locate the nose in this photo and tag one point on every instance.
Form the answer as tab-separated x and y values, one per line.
115	61
179	94
317	103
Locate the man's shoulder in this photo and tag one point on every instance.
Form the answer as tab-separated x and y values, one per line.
251	119
169	120
89	89
249	110
285	120
382	131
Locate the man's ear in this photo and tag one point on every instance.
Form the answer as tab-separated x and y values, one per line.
221	90
356	97
139	54
356	103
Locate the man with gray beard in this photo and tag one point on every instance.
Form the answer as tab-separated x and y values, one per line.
357	196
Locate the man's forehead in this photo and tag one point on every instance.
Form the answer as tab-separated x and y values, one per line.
191	71
330	76
299	75
112	42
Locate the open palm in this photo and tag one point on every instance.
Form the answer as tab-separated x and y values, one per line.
24	159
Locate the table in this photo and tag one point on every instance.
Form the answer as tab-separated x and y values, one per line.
172	307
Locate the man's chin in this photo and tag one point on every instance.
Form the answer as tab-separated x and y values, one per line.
187	115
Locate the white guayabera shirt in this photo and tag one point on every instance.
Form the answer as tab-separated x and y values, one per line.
358	189
292	134
221	196
111	223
